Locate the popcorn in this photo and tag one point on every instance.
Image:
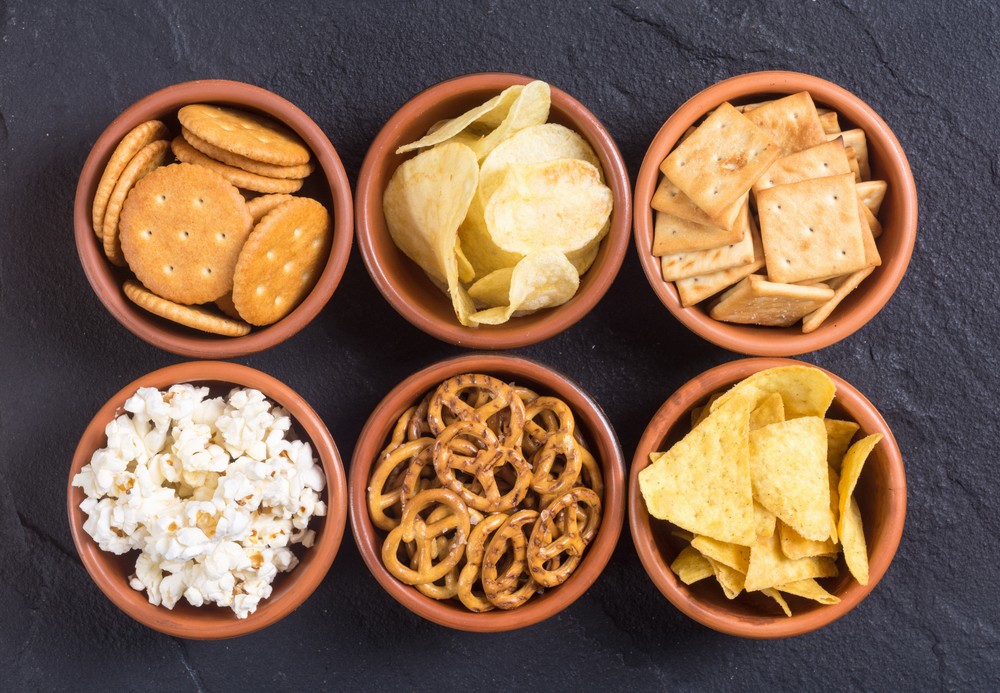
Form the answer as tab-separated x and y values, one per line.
212	491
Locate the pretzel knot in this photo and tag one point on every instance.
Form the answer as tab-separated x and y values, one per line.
424	534
553	440
478	398
385	487
502	589
474	553
488	460
562	519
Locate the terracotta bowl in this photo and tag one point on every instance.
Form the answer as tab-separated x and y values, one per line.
291	589
328	184
898	215
590	420
406	286
880	492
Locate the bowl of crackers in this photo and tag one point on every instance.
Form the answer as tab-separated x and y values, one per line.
207	500
776	213
213	219
767	498
494	211
487	492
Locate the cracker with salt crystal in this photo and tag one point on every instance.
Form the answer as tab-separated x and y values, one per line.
719	162
811	229
673	235
792	122
699	262
696	289
756	301
827	159
872	192
669	199
828	119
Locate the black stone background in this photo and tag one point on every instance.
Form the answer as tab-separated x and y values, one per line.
928	360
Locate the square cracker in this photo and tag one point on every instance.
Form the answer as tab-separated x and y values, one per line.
792	122
719	162
811	229
841	287
872	258
695	289
828	119
872	192
827	159
673	235
756	301
693	264
669	199
856	138
852	161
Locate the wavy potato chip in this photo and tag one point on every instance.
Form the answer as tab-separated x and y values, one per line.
557	205
442	131
531	107
541	280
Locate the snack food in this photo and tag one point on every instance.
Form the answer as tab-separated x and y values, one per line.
488	494
754	489
814	200
491	189
212	491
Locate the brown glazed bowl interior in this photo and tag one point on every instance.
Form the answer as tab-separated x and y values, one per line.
328	184
290	589
401	280
880	492
898	215
597	431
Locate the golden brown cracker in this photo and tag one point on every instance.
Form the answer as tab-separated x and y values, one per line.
699	262
675	235
226	305
259	167
698	288
259	206
827	159
792	122
840	290
282	260
193	316
247	134
182	228
148	159
756	301
136	139
237	176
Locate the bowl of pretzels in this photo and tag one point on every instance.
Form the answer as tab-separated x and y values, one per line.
487	492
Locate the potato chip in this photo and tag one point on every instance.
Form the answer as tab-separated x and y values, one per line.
733	555
854	460
805	391
424	204
838	439
731	580
703	482
809	589
558	205
452	127
853	537
789	474
690	566
541	280
769	567
531	107
583	258
483	254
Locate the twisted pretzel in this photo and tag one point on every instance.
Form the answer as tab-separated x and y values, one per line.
554	440
384	489
483	467
413	528
502	589
561	519
489	398
474	553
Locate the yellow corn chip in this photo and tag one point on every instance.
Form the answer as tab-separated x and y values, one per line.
776	596
732	581
834	506
703	482
853	536
805	391
733	555
789	474
794	545
764	520
854	460
838	439
690	566
809	589
770	411
769	567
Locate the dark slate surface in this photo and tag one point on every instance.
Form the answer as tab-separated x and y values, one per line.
928	360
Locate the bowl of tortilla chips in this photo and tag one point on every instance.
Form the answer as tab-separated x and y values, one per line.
767	498
493	211
745	217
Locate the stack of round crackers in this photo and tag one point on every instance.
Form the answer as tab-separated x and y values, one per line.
196	233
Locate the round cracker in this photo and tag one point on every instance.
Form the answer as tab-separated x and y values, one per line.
182	228
259	206
230	159
136	139
193	316
237	176
282	260
247	134
149	158
226	305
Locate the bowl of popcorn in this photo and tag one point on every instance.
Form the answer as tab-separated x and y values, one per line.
767	498
776	213
487	492
213	219
494	211
207	500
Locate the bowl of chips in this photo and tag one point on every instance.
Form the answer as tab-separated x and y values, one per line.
769	156
118	572
767	498
232	250
453	242
462	433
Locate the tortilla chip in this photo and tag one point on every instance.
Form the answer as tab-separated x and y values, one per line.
769	567
854	460
838	438
690	566
733	555
853	536
809	589
770	411
764	520
805	391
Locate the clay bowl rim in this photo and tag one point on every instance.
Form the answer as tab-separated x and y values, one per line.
810	616
888	160
381	161
102	275
600	435
210	622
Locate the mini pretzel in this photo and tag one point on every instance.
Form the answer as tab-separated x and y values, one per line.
413	528
474	552
483	467
572	540
554	440
502	590
383	494
494	397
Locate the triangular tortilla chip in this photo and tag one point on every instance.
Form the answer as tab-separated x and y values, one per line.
770	411
809	589
794	545
733	555
731	580
769	567
838	439
855	548
776	596
805	391
764	520
854	460
690	566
